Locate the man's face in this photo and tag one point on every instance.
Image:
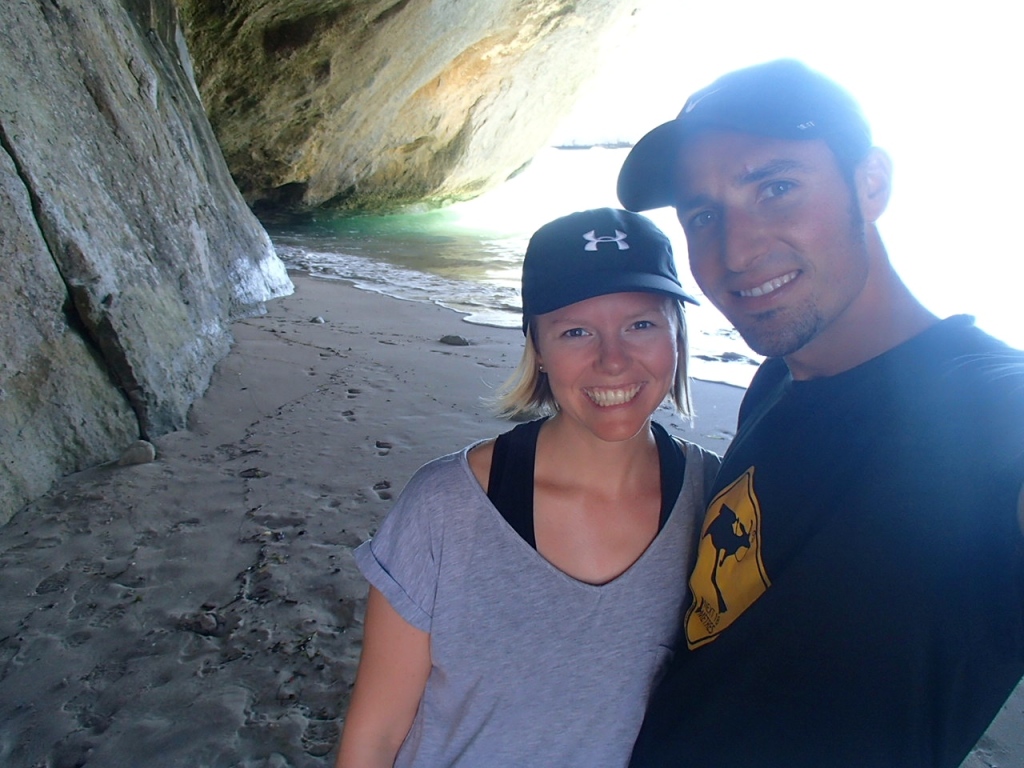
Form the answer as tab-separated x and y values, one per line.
775	236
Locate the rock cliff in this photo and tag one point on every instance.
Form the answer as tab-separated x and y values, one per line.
374	103
125	248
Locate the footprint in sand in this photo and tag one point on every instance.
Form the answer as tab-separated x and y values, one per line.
319	737
109	616
353	393
55	582
382	489
383	447
77	638
349	415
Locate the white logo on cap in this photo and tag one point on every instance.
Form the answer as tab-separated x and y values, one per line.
689	106
592	240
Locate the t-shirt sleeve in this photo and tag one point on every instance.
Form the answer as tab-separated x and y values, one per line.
402	560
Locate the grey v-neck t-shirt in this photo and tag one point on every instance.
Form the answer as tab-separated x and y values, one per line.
530	667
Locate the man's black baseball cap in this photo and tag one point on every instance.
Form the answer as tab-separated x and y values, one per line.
593	253
781	99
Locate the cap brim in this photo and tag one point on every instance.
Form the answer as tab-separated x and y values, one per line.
645	179
624	282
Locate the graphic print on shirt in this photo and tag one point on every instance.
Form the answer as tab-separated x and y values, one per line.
729	575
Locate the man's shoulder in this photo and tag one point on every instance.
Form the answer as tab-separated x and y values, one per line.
970	356
959	334
770	377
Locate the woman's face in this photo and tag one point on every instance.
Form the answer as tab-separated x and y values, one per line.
610	360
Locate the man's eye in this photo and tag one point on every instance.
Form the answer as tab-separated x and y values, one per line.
701	220
777	189
575	333
641	324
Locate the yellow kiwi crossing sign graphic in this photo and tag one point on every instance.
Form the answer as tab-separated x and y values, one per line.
729	575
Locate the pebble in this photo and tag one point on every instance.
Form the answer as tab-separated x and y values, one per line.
139	452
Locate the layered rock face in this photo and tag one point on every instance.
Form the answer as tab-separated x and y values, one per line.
374	103
125	248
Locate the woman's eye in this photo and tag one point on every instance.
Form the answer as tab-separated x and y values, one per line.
575	333
641	324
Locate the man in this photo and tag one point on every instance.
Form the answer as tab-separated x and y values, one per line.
858	597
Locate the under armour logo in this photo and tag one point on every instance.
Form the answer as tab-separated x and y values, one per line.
592	240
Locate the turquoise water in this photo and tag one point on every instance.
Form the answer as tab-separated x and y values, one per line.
468	256
427	256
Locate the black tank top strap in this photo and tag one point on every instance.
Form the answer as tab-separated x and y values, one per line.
672	459
510	484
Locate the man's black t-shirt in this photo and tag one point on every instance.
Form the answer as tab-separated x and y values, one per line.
859	591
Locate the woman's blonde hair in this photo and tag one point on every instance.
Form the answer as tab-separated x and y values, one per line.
526	394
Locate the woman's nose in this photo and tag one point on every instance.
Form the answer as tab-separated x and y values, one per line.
614	354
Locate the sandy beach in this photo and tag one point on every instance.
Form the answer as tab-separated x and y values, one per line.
204	609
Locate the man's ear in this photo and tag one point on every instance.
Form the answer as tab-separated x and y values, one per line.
873	181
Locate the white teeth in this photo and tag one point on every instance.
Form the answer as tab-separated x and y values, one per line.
770	286
608	397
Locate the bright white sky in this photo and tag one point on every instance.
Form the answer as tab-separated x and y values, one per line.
942	85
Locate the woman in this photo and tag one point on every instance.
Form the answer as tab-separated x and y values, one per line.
526	590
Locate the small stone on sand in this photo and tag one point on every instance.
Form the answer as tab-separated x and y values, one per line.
139	452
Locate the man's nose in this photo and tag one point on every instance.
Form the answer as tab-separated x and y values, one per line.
744	240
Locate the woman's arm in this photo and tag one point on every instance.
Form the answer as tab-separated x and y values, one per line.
392	673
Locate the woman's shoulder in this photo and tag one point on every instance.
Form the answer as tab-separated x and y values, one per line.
692	451
435	490
479	457
699	460
698	452
451	467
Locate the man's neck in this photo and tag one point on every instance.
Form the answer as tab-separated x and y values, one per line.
883	317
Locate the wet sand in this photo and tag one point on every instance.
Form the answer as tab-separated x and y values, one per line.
204	609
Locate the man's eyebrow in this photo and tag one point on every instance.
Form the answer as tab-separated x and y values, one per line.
697	201
769	169
753	176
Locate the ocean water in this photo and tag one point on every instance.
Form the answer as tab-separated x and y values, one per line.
468	256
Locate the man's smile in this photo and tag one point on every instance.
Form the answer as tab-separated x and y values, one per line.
769	286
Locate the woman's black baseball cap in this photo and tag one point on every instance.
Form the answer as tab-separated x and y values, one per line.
593	253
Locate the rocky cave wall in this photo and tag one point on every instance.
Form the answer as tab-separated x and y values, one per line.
125	248
375	103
